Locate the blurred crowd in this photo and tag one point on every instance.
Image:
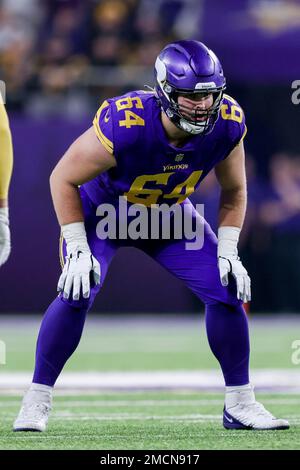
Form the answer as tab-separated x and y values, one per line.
269	243
55	55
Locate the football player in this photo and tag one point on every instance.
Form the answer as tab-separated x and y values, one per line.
128	151
6	164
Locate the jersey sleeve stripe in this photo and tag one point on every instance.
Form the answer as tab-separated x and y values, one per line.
244	134
108	144
229	98
102	138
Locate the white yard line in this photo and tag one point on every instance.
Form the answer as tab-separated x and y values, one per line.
285	380
136	403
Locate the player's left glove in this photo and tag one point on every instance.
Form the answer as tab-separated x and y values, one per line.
230	263
4	235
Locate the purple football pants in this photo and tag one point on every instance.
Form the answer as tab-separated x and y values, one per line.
226	321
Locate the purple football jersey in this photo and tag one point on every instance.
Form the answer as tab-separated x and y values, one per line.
149	169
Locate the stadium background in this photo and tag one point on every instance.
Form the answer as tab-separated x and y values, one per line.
59	60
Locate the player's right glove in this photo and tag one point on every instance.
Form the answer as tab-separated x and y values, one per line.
4	235
80	263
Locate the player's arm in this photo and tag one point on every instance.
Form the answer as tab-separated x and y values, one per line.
84	160
231	176
6	164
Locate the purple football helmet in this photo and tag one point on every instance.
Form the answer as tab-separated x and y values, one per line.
189	67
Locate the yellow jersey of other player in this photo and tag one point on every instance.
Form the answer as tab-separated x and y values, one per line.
6	164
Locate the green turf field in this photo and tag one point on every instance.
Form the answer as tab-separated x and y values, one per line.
147	344
152	420
148	419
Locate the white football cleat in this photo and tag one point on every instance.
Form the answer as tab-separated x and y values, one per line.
242	411
34	412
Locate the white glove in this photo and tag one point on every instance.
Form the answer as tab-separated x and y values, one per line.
5	245
79	263
229	262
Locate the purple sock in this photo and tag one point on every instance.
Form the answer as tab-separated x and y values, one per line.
58	338
228	337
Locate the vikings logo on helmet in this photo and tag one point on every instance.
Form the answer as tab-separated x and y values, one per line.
189	67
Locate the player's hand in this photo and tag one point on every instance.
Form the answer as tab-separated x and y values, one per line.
76	274
80	265
229	262
237	270
5	245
